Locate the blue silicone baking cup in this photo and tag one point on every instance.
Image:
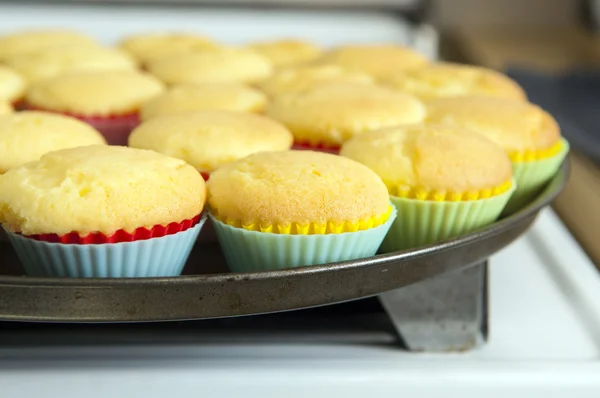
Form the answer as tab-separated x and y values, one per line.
156	257
250	251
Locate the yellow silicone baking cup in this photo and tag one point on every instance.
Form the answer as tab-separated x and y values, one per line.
310	228
533	155
407	192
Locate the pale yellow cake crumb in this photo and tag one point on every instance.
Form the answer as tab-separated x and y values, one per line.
26	136
513	125
299	187
205	96
332	113
12	85
99	188
210	139
440	158
95	93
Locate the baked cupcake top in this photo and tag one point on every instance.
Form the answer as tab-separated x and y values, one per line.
205	96
12	85
287	192
302	78
433	162
286	52
95	93
99	188
219	65
332	113
453	80
5	107
516	126
146	47
53	61
209	139
377	60
33	40
26	136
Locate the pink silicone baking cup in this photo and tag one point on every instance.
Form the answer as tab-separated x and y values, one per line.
303	146
115	128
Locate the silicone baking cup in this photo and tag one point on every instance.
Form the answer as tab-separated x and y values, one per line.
247	249
114	128
153	252
532	170
306	146
426	217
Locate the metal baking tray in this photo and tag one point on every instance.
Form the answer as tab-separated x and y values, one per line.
207	290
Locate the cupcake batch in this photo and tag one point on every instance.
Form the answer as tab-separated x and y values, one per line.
115	161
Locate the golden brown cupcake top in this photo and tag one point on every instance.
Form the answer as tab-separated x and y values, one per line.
293	80
287	52
284	190
454	80
147	47
205	96
212	138
377	60
95	93
431	162
332	113
516	126
220	65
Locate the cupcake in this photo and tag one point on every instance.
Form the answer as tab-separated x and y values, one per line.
220	65
529	134
377	60
298	79
275	210
5	108
443	180
205	96
147	47
107	212
51	62
454	80
27	41
26	136
287	52
327	115
12	85
109	101
209	139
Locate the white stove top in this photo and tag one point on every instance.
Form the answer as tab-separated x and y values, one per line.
544	336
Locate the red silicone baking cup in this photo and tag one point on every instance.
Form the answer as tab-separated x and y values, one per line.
18	105
119	236
328	148
115	128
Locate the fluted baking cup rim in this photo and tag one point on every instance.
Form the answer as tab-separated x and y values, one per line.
155	232
527	155
310	228
416	193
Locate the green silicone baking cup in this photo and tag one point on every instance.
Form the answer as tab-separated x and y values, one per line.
422	222
531	178
251	251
